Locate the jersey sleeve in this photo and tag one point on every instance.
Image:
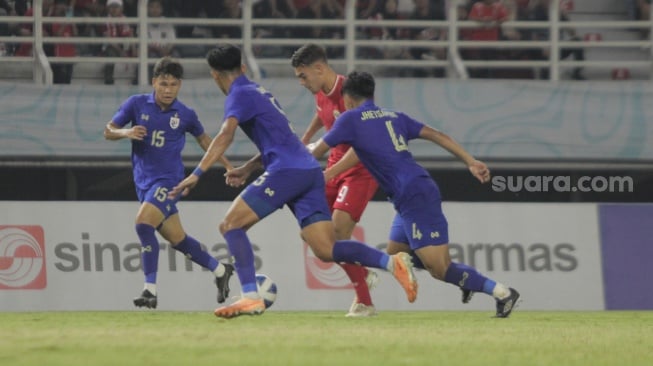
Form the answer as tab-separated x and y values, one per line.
125	113
341	132
239	106
413	126
195	127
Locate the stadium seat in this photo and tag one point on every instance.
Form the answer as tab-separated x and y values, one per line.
620	73
567	5
593	37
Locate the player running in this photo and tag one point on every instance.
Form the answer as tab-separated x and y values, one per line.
348	191
380	138
159	123
292	177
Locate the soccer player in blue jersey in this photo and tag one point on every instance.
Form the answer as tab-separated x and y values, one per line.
292	177
159	123
380	139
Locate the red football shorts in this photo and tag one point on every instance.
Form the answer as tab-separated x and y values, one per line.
351	193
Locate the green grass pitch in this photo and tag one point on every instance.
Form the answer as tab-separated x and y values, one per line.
326	338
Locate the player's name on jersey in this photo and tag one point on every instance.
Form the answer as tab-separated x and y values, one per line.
376	114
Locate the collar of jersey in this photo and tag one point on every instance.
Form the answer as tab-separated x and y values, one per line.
173	106
241	80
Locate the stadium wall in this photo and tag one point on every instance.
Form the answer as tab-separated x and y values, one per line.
61	256
498	119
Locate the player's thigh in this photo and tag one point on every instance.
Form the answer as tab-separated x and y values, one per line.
320	237
343	223
172	230
309	204
156	206
423	221
354	193
395	247
240	215
259	199
435	258
397	238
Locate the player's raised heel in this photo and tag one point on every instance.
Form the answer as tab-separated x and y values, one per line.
507	305
403	272
244	306
222	283
371	279
146	300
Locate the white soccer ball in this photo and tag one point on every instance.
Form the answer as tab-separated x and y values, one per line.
267	289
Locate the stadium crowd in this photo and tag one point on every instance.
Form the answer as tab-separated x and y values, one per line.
490	14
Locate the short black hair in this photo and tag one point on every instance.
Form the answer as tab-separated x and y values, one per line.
168	66
224	57
359	85
308	54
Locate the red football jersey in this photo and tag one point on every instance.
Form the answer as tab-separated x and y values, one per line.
329	106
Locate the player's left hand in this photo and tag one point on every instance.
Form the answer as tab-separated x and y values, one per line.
480	171
184	186
236	177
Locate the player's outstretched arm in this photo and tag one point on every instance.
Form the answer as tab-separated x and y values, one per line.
204	140
349	160
318	148
236	177
114	132
218	146
315	125
476	167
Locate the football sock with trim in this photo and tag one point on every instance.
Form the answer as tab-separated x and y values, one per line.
241	250
192	249
465	277
149	252
355	252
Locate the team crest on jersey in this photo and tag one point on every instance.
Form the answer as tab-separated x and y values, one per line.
174	121
336	114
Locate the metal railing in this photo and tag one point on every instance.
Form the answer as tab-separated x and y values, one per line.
351	42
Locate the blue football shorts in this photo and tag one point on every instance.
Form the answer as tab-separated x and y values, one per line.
157	195
420	221
301	189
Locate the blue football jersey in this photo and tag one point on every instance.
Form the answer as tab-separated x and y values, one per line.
380	138
158	156
260	116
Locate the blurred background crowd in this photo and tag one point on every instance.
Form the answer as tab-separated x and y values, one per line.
489	14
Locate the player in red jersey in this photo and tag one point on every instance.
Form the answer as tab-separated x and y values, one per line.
347	191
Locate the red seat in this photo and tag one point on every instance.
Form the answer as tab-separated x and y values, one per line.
620	74
567	5
593	37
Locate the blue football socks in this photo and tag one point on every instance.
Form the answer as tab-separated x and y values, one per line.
193	251
351	251
149	252
241	250
466	277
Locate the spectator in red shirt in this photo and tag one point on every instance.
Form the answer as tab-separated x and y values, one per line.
27	29
62	72
490	13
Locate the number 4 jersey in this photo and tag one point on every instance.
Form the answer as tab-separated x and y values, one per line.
158	155
380	138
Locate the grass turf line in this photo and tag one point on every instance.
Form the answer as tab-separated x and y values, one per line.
326	338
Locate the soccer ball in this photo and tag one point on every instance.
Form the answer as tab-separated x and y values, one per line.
267	289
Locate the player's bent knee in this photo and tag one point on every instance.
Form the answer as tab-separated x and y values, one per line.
323	252
227	225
